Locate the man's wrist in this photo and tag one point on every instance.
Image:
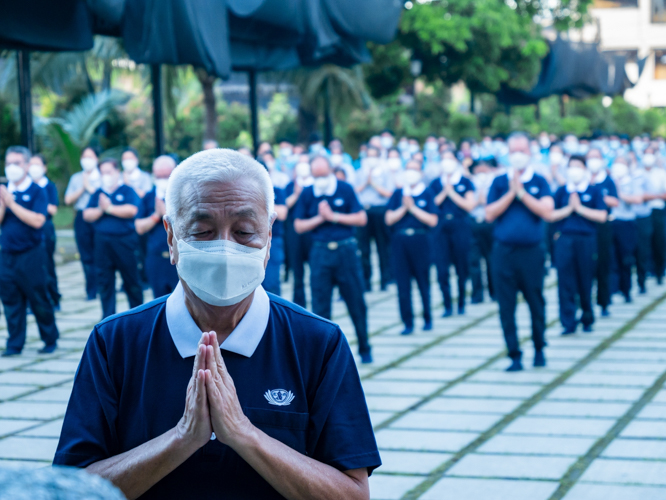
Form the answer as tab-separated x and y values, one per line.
155	218
336	217
521	193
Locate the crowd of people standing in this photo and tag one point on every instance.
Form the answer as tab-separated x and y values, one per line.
499	212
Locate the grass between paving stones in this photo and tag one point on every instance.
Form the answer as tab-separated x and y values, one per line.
440	471
580	466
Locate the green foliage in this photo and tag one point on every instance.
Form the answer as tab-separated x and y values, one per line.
389	70
9	130
461	126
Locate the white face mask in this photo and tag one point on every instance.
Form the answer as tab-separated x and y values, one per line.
130	165
519	160
387	142
321	184
394	164
619	170
109	181
449	165
302	170
649	160
431	146
336	160
14	172
285	152
575	175
88	164
595	165
161	187
411	177
36	172
221	272
556	158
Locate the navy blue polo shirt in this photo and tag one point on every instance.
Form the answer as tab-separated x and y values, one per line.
607	187
278	225
343	201
448	206
576	224
110	224
300	386
518	225
15	235
156	243
52	196
425	201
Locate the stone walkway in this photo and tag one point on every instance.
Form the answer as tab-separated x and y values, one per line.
450	423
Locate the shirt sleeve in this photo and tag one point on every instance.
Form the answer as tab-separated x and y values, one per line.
41	203
558	198
289	189
430	207
394	201
598	200
494	192
88	432
73	185
544	188
301	207
340	432
146	182
52	192
469	185
280	198
354	205
436	186
132	198
94	200
612	188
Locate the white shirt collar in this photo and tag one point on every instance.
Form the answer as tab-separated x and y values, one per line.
110	193
243	340
526	176
330	191
43	182
600	177
11	187
414	191
581	188
454	178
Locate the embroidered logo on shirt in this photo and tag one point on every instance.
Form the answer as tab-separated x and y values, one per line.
421	203
460	188
338	202
586	197
26	197
119	197
279	397
534	190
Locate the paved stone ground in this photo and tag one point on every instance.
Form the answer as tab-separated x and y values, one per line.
450	423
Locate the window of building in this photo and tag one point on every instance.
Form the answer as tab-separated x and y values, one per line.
613	4
660	64
659	11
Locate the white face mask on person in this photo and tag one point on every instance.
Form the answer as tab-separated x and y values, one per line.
36	172
221	272
619	170
649	160
394	164
14	172
449	165
109	181
411	177
595	165
519	160
302	170
161	187
88	164
576	175
321	184
130	166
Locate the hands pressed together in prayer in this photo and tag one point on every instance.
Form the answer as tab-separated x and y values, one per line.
211	403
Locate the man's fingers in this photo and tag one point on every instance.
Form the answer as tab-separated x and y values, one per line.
197	360
218	355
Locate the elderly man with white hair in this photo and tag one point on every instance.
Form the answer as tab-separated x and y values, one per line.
220	390
518	202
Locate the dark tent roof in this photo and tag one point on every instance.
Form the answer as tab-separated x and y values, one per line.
218	35
575	69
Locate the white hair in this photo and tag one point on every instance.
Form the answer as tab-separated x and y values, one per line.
216	165
518	136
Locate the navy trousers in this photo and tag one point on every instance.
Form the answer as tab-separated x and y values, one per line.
625	233
85	243
162	276
452	248
50	246
376	229
604	263
643	248
117	253
481	248
341	267
23	281
407	255
298	251
575	258
272	279
518	268
659	241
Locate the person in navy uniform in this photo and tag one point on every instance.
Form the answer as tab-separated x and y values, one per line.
220	389
579	207
518	202
161	275
37	172
23	276
297	245
330	211
112	210
483	173
454	195
597	167
411	214
272	281
81	187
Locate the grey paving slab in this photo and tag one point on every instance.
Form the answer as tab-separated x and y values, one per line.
53	394
12	391
421	375
583	491
643	472
410	462
54	365
592	427
579	409
11	426
24	464
578	393
636	448
471	405
385	387
645	429
450	488
49	430
40	379
37	411
378	417
511	466
28	448
653	411
660	397
616	367
421	362
395	439
524	377
492	390
390	403
391	487
537	445
445	421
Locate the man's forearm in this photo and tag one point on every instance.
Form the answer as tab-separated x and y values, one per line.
356	219
136	471
497	208
306	225
543	207
32	219
297	477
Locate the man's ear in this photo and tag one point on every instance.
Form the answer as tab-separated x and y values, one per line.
173	250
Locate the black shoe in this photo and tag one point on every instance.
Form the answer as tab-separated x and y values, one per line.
428	326
660	280
48	349
10	352
642	290
56	308
605	312
516	366
627	299
461	311
407	331
566	331
447	313
539	359
587	328
91	297
476	300
366	358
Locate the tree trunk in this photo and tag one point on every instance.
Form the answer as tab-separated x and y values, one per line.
207	81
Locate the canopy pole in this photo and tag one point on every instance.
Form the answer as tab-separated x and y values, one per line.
25	99
254	118
158	116
328	121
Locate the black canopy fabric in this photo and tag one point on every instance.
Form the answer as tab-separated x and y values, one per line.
575	69
218	35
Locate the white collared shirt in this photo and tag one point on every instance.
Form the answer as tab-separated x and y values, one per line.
243	340
581	187
525	177
599	178
417	190
454	178
43	182
11	187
